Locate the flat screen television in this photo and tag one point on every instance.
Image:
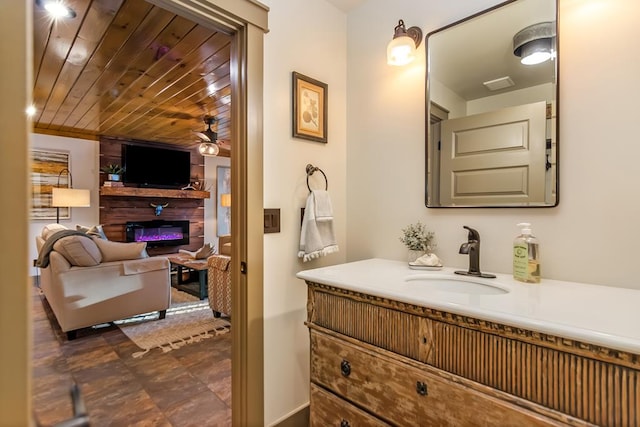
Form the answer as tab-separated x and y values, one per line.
155	167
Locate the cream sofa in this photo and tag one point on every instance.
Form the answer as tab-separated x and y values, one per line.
113	289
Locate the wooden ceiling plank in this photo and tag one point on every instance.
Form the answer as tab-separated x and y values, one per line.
168	100
62	34
42	26
120	29
192	81
149	91
98	19
167	39
152	24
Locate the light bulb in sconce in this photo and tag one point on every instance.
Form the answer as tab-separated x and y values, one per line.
402	49
225	200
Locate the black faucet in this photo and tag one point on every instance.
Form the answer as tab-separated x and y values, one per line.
472	248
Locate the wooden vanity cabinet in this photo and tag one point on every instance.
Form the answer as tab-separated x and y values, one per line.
377	362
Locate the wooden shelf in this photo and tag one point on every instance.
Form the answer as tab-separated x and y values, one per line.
153	192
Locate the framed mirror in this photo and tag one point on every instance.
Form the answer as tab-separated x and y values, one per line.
491	109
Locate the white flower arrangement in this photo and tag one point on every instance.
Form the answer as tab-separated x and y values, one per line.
417	237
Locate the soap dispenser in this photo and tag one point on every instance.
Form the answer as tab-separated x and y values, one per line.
526	262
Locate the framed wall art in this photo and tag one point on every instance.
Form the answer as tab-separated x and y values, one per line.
223	174
46	166
309	108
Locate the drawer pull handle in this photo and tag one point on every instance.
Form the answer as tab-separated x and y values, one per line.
421	388
345	368
344	423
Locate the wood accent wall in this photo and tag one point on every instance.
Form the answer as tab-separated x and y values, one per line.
116	210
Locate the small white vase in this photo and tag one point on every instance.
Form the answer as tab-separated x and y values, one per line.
412	255
114	177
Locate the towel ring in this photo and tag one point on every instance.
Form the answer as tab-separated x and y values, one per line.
310	171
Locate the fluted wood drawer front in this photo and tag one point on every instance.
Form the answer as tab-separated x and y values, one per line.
329	410
406	396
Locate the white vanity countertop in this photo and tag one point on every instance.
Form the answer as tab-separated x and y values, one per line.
602	315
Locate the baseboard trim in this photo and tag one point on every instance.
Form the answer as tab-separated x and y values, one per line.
296	418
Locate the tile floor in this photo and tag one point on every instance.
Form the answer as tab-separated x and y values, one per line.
190	386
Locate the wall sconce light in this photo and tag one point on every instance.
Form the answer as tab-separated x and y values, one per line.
402	49
56	8
534	44
225	200
71	197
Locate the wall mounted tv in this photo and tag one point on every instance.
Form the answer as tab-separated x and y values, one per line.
155	167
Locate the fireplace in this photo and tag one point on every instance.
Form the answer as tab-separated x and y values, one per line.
158	232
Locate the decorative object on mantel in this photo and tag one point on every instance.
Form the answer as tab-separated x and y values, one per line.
418	240
113	171
309	108
158	207
113	184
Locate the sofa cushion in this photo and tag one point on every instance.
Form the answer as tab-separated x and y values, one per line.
49	229
79	250
94	231
119	251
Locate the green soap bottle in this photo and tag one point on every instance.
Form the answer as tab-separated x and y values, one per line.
526	256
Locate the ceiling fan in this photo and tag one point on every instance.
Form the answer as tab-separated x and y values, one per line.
209	145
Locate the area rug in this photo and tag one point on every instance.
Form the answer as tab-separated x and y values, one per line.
188	320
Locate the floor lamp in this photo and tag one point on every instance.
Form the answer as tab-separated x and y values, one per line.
71	197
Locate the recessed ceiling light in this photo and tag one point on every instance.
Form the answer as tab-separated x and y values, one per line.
56	8
31	110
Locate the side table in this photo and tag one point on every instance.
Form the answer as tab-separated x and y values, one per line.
197	265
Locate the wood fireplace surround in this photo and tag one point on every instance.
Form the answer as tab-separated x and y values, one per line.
119	205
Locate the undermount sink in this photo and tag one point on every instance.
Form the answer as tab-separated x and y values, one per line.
462	285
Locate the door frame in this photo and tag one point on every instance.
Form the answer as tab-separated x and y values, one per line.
246	22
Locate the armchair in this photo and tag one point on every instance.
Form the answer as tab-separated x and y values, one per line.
219	278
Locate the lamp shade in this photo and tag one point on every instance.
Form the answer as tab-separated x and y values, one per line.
401	51
62	197
225	200
208	149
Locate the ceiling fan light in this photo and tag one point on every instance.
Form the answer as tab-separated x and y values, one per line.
208	149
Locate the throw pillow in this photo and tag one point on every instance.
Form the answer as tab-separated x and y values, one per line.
119	251
49	229
78	250
96	231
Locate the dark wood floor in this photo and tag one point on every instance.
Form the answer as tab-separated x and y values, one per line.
190	386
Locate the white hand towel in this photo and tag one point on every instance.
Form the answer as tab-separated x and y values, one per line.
324	209
317	237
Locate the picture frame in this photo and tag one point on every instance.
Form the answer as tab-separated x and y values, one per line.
310	99
46	166
223	177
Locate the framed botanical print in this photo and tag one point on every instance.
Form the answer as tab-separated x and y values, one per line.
309	108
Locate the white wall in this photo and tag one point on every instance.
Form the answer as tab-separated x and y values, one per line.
592	235
84	166
308	37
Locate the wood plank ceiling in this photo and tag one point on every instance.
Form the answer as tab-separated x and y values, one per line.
129	69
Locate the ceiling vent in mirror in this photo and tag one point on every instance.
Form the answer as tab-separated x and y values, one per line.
535	43
499	83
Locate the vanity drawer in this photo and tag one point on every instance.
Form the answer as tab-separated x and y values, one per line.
405	395
329	410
